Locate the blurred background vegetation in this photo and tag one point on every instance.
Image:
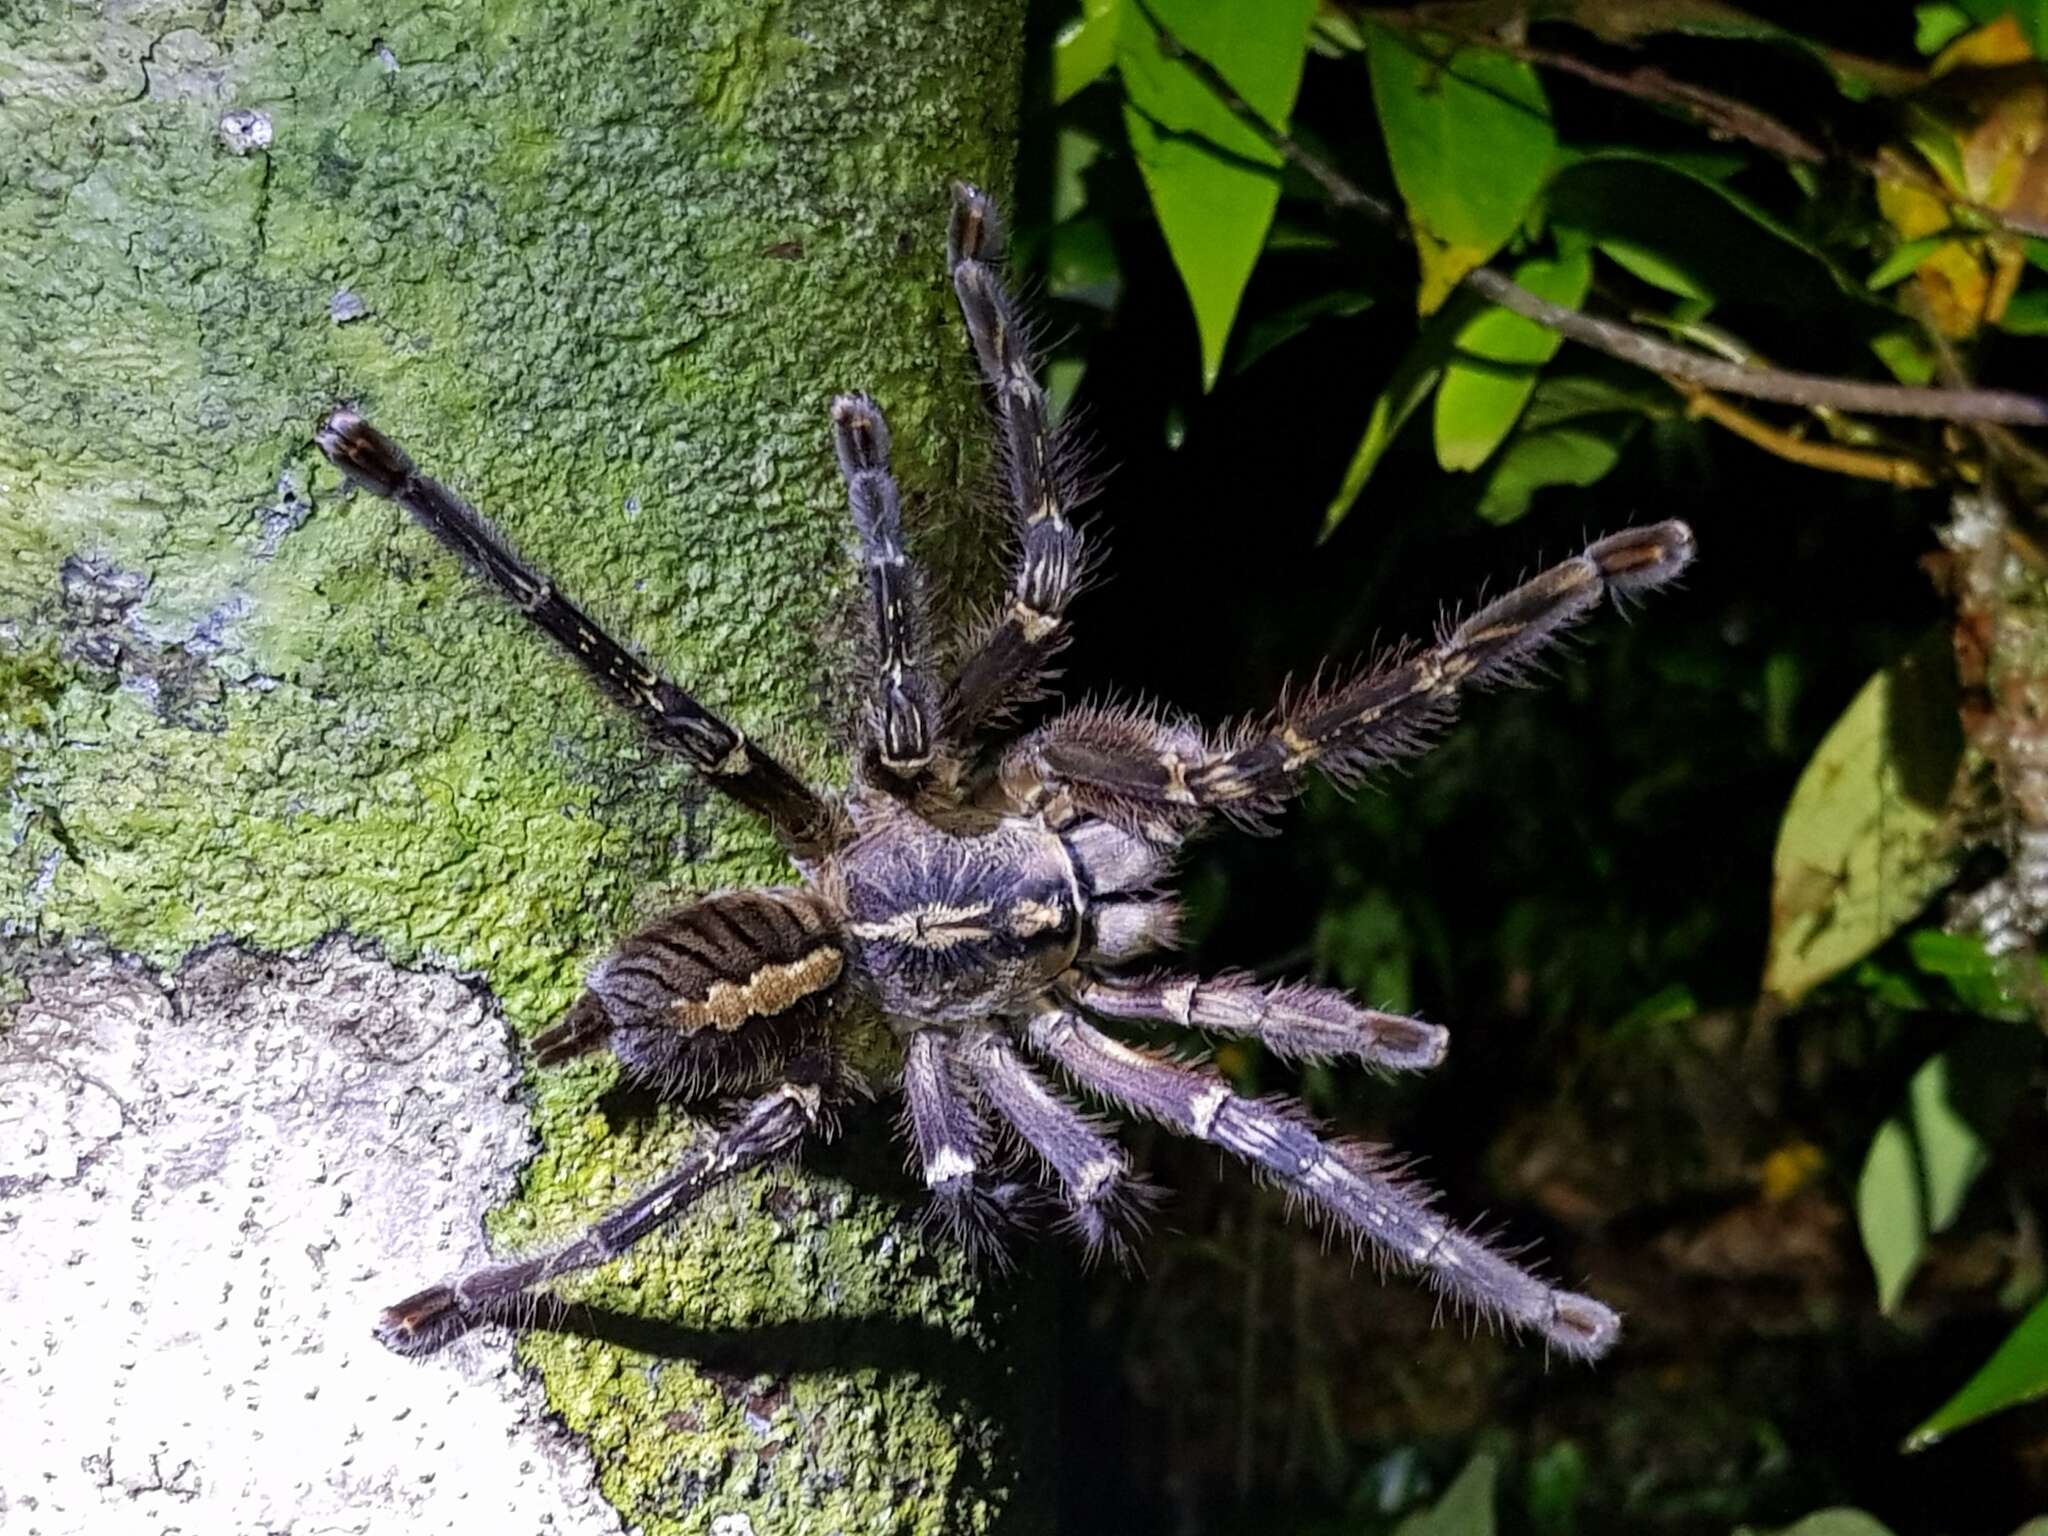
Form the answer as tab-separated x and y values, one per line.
1735	918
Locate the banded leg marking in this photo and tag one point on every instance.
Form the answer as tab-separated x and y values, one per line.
1293	1020
906	703
1007	665
1348	1183
1093	1170
805	822
770	1126
1163	776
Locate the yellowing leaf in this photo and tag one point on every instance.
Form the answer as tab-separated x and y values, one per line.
1863	843
1447	112
1214	182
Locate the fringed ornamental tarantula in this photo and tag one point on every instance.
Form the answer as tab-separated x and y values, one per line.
988	900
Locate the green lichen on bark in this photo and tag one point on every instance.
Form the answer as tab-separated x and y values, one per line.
599	266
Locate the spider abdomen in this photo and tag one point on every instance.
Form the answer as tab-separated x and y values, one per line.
719	989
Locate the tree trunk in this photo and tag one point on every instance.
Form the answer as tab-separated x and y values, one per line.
303	836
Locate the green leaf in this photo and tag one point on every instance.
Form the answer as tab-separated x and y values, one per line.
1551	1492
1286	324
1921	1165
1577	455
1837	1522
1904	350
1889	1212
1498	356
1085	48
1862	844
1470	140
1413	378
1214	182
2016	1373
1899	266
1678	227
1081	264
1466	1509
1984	983
1936	26
1951	1152
2026	314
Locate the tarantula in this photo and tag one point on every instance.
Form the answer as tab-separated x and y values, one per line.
989	900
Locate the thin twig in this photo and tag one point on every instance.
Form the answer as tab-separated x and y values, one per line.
1631	346
1835	458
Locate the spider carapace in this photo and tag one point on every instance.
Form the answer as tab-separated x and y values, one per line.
995	897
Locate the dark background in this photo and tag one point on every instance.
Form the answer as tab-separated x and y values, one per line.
1568	858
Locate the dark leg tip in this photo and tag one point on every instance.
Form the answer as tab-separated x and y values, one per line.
973	233
363	453
423	1323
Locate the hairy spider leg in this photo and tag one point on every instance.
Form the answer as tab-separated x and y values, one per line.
904	725
770	1126
1351	1185
806	823
1292	1020
1042	480
1102	1196
1163	776
952	1141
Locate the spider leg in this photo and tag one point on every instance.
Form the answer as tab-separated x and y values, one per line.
1006	667
1293	1020
1349	1184
768	1127
952	1142
906	703
1094	1172
1162	776
807	824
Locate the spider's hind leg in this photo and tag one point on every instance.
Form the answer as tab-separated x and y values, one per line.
770	1126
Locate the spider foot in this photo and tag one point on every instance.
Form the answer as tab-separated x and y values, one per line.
424	1322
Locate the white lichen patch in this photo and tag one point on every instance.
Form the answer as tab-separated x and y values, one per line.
207	1189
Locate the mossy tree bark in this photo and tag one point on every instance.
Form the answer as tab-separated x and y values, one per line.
600	266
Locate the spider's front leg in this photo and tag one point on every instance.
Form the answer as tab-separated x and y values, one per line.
905	724
1163	777
767	1128
1350	1185
1043	480
1293	1020
807	824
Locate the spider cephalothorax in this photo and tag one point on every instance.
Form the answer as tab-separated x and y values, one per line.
988	900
